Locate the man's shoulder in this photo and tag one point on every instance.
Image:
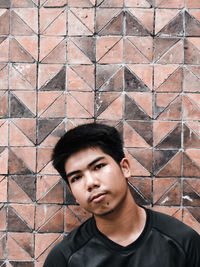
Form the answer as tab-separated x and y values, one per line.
71	242
174	229
169	223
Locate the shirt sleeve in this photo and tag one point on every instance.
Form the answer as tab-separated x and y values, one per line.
55	258
193	254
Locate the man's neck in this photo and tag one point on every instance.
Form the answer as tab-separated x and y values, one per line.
124	225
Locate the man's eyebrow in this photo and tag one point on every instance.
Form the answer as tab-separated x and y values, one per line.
72	173
88	166
94	161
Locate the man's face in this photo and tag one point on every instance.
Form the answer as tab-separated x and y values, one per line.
97	182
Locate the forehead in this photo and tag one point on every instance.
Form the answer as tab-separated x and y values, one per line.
82	158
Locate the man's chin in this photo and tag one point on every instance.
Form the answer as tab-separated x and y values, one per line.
103	213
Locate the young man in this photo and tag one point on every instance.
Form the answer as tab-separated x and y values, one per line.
120	233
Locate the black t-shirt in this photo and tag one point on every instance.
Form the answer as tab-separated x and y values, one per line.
164	242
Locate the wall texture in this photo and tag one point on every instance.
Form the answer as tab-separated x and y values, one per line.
134	64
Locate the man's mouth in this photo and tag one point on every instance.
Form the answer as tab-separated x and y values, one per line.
97	197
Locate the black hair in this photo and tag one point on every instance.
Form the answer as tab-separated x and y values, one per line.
105	137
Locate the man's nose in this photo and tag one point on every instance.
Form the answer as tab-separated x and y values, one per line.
91	180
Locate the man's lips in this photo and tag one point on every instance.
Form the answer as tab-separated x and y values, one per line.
97	197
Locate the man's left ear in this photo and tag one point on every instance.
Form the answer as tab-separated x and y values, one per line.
125	167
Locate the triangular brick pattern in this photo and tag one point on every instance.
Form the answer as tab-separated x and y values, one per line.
112	3
191	80
22	160
134	111
114	83
25	101
4	131
191	108
192	50
191	193
172	211
132	64
191	166
44	162
44	242
54	52
143	72
3	212
86	46
169	50
135	24
4	19
52	77
138	168
76	81
109	105
191	217
25	3
25	184
49	189
169	22
109	21
2	246
136	131
23	22
4	188
191	135
109	50
23	76
85	73
51	104
104	74
15	220
24	54
133	82
139	49
4	45
167	163
76	55
46	127
4	160
168	106
52	21
192	24
20	246
80	103
77	215
49	219
81	3
144	157
169	4
81	21
141	189
167	191
18	109
4	76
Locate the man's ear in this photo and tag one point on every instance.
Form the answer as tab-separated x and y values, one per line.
125	167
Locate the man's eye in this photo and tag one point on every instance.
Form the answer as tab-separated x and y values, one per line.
99	166
75	178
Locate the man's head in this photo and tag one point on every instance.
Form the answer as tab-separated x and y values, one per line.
91	135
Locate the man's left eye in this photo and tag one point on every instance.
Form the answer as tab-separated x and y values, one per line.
99	166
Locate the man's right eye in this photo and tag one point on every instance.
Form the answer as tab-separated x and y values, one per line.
75	178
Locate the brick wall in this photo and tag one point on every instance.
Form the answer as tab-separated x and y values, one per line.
134	64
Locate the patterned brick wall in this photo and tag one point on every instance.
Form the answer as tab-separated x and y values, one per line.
134	64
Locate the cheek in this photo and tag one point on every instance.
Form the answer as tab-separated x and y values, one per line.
114	177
